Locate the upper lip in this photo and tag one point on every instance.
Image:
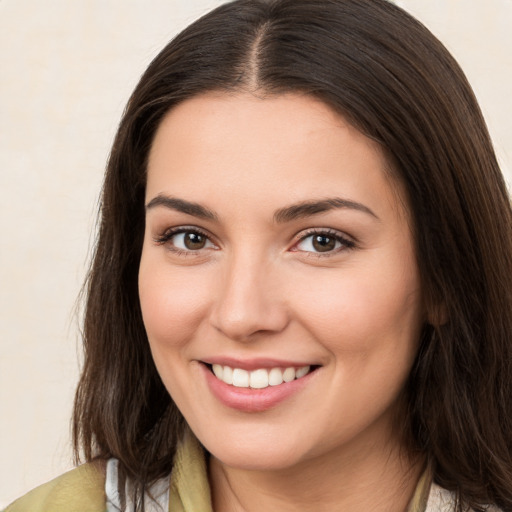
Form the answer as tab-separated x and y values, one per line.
255	363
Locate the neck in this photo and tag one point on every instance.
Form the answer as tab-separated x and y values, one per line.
366	479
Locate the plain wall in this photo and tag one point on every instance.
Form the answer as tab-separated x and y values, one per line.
67	69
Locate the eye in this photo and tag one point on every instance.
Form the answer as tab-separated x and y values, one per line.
190	240
321	242
185	240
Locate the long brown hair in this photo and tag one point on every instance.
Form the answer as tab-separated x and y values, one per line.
393	80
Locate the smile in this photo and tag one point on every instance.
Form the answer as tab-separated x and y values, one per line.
260	378
256	385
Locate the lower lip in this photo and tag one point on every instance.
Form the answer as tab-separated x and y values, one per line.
253	400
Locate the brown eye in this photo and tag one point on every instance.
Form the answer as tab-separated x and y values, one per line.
323	243
194	241
186	240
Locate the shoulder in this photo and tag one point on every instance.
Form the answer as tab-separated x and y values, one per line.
80	490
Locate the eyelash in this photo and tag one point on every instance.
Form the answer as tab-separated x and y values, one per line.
345	242
166	236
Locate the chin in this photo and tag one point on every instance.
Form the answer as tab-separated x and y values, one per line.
247	454
248	461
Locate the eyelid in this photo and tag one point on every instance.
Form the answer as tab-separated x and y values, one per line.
347	242
168	233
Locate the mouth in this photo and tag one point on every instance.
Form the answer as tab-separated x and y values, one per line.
258	385
260	378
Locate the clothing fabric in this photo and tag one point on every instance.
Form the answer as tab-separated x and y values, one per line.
95	487
79	490
156	499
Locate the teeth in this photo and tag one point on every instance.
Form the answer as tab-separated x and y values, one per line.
301	372
240	378
218	371
275	377
227	375
258	379
289	374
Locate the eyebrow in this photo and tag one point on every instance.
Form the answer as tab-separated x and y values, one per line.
286	214
309	208
180	205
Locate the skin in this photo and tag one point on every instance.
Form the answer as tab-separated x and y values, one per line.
259	288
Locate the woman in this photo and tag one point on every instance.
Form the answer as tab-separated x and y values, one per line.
301	293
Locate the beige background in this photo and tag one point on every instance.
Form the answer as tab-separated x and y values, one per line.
67	69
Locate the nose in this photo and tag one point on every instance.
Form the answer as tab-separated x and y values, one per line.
250	300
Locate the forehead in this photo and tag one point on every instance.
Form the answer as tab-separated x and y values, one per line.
288	145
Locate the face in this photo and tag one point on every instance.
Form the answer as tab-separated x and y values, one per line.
278	282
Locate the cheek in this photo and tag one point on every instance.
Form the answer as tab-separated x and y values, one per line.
360	312
173	300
